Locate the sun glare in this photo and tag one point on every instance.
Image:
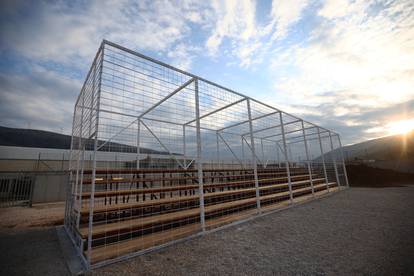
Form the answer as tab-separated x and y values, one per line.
401	127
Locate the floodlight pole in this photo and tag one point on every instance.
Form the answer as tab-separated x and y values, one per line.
286	157
256	179
343	161
334	159
323	159
308	159
199	164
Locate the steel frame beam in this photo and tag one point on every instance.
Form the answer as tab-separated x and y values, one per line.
323	160
308	159
343	161
199	159
254	156
217	110
286	158
162	144
334	159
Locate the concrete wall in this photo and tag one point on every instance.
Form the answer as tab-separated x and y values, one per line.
50	187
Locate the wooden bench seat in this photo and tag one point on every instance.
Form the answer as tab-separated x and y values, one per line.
110	251
148	203
178	170
176	178
121	192
174	217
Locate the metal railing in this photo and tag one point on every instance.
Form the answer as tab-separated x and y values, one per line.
16	189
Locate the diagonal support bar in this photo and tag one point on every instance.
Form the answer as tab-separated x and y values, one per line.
232	152
162	144
148	110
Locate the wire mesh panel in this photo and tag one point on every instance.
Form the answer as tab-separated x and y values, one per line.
174	155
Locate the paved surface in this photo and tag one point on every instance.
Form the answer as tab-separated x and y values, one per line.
31	252
361	231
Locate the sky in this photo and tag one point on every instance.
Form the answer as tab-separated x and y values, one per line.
346	65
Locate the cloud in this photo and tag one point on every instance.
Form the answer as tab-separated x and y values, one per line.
70	32
41	100
234	20
284	14
360	54
332	62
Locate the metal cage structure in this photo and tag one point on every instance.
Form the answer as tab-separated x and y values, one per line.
159	155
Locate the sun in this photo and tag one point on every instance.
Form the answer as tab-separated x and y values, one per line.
400	127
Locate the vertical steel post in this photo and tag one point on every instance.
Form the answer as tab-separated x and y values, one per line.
278	155
263	154
323	159
199	159
286	157
69	198
184	149
81	186
308	159
95	146
138	142
334	159
80	163
256	179
218	150
343	161
242	144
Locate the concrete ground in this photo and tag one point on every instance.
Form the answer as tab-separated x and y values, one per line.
366	231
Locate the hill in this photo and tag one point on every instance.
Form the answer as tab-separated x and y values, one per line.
394	152
33	138
395	147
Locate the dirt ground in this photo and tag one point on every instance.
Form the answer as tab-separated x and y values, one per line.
39	215
360	231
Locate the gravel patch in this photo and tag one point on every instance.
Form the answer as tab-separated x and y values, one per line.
360	231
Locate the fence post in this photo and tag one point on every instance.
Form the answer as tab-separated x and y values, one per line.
307	158
323	159
199	159
286	157
334	159
32	186
256	179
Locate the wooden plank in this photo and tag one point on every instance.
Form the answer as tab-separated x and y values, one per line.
111	251
175	217
179	188
156	179
178	170
118	207
122	248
